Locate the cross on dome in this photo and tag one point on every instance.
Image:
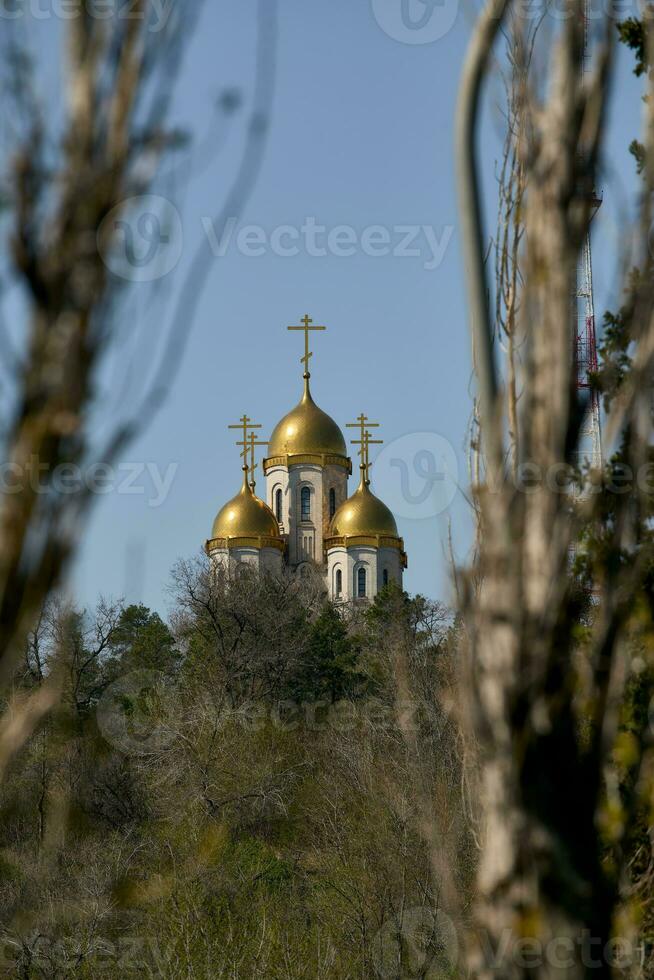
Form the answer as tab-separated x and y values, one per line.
246	425
307	325
364	425
250	446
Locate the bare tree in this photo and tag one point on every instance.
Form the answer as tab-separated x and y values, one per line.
546	708
68	184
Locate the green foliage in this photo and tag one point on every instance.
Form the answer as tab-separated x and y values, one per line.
629	788
241	842
141	640
632	33
329	666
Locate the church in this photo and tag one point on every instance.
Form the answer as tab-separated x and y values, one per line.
308	519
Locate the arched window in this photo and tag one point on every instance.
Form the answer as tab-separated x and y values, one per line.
332	502
339	581
361	583
305	504
278	505
385	577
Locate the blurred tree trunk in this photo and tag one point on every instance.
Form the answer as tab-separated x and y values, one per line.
70	187
545	710
59	244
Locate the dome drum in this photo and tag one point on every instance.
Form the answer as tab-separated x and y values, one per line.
244	541
366	541
315	459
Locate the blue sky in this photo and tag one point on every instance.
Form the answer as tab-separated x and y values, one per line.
361	135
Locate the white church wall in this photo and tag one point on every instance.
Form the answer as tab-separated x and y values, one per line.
348	561
373	561
305	533
219	558
305	536
389	561
334	478
271	561
364	558
230	560
337	562
277	479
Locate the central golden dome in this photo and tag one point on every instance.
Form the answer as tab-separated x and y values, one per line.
245	516
363	515
306	429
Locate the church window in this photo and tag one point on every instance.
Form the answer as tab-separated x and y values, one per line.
332	502
385	576
278	504
339	581
305	504
361	583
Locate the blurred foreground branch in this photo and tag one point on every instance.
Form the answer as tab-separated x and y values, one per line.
560	594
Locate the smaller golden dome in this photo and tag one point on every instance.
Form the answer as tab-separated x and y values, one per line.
245	515
306	429
363	515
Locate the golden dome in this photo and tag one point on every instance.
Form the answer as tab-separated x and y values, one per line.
363	515
306	430
245	516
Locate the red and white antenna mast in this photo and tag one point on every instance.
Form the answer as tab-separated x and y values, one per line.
585	347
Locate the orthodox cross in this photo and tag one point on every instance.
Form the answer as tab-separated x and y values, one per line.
307	325
363	424
250	447
245	424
